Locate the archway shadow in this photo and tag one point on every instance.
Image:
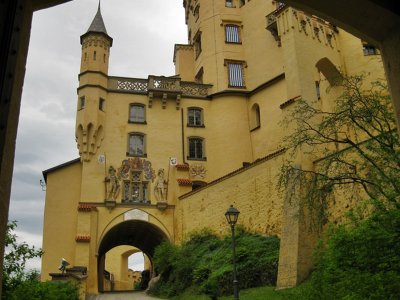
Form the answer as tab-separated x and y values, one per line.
140	234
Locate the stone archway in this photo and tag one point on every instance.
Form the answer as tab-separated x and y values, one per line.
137	233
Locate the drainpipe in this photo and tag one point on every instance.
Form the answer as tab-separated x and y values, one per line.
183	137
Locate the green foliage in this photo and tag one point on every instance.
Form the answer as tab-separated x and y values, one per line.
361	261
15	258
18	284
32	289
354	146
204	263
259	293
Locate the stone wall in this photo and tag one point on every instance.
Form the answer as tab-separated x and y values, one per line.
252	190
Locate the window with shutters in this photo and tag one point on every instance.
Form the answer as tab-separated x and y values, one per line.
235	73
196	149
232	34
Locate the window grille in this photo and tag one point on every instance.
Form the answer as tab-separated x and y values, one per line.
235	74
232	34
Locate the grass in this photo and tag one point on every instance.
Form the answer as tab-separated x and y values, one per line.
260	293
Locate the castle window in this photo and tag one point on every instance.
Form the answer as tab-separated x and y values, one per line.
196	12
229	3
255	117
82	102
137	113
198	184
199	76
235	73
102	104
197	43
232	34
94	55
195	117
318	90
196	148
136	144
104	58
135	189
369	49
241	3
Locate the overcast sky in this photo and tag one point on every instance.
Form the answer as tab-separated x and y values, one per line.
144	33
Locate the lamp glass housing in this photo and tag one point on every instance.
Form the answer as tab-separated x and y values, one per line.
232	215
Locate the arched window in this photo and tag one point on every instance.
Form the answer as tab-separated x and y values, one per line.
328	69
255	119
136	144
198	184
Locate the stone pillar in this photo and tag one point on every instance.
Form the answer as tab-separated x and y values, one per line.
298	239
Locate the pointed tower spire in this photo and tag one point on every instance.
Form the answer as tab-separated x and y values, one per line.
98	23
97	26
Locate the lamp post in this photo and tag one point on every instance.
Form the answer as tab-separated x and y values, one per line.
232	215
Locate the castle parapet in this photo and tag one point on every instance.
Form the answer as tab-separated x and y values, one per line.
158	84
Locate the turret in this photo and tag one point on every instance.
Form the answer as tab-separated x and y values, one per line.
92	93
96	44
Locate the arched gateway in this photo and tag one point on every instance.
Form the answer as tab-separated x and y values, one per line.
137	233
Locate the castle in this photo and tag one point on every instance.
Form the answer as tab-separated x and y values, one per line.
163	156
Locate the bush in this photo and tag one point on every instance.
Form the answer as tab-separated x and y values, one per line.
204	263
35	290
360	262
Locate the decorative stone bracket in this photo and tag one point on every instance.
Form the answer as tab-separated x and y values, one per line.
82	238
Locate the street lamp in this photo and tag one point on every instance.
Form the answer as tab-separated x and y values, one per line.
232	215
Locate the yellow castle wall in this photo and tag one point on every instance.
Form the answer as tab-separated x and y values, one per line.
60	218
